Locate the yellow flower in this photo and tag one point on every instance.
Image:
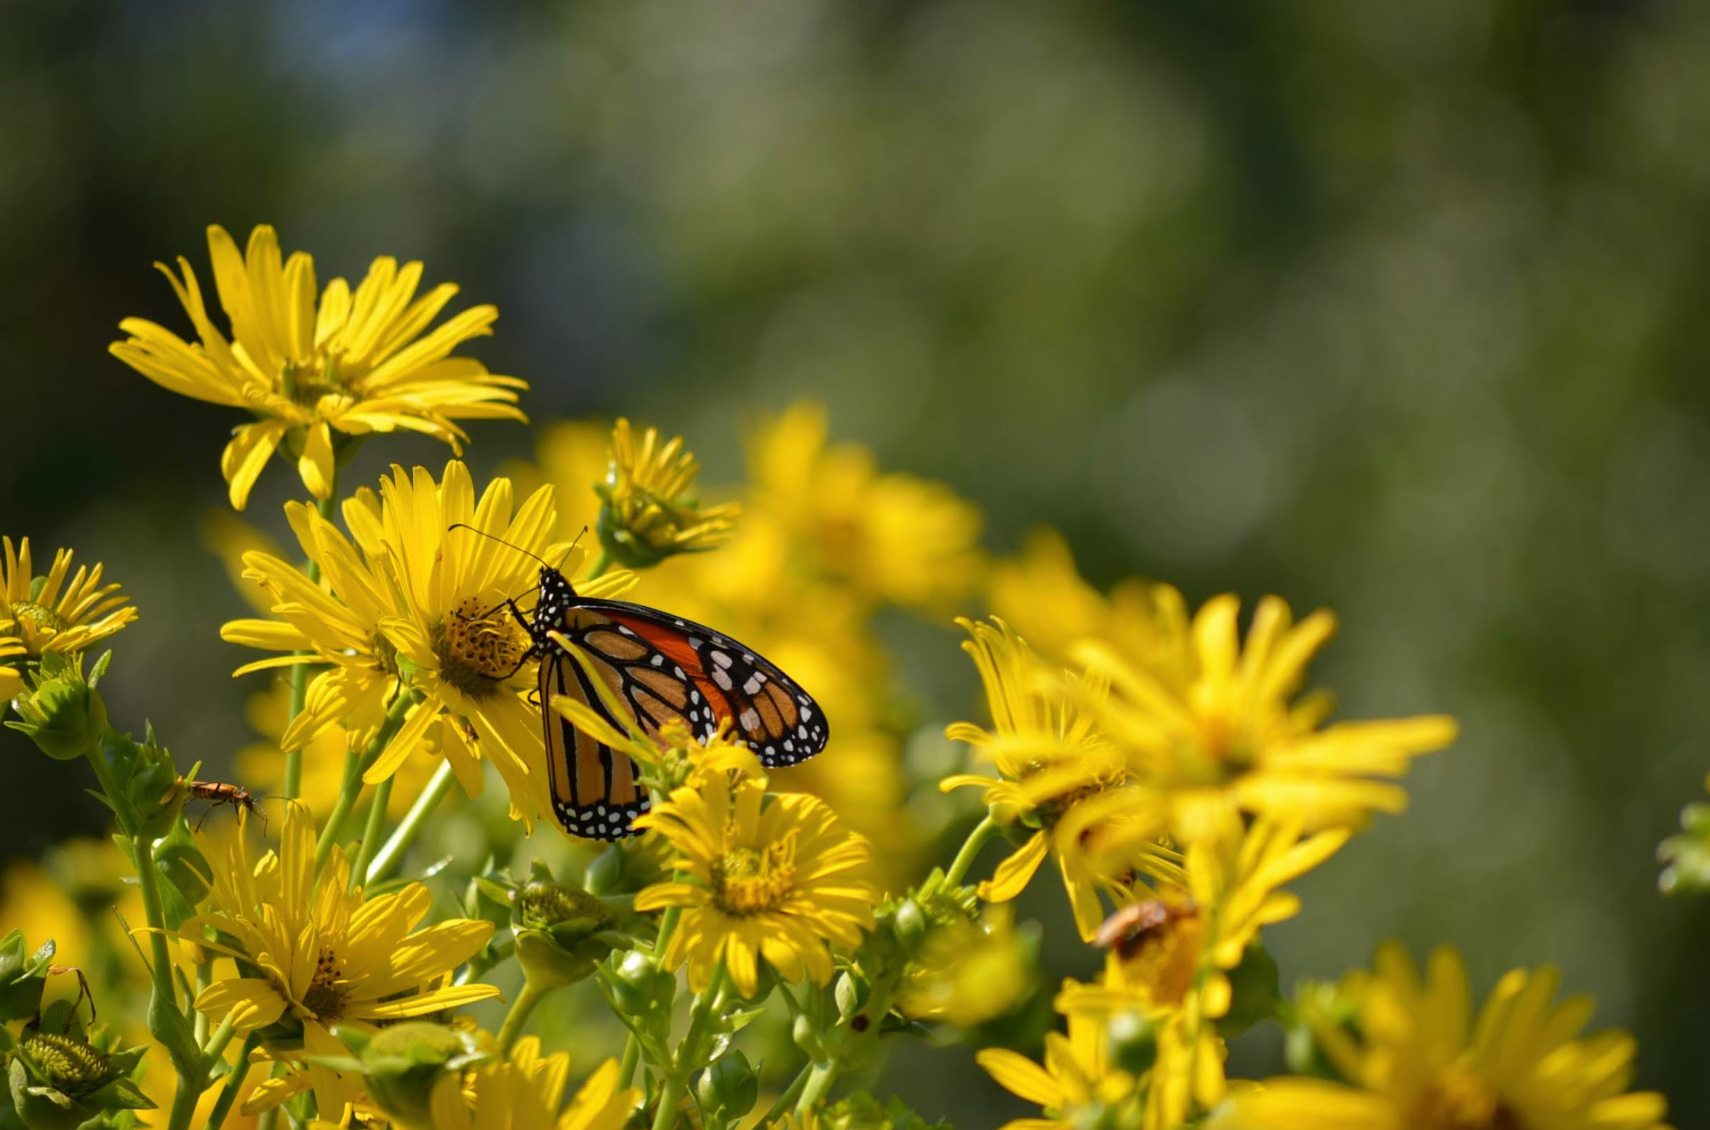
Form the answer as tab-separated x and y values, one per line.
1186	938
1077	1084
52	612
1042	595
1052	765
967	972
525	1092
1215	729
650	509
1416	1059
779	883
11	679
320	956
353	362
1170	956
893	536
409	604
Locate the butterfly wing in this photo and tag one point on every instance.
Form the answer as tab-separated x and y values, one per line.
665	667
595	793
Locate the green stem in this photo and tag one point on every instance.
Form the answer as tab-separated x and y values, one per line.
216	1045
789	1096
371	834
300	677
631	1056
183	1107
234	1083
689	1054
410	827
818	1082
670	1098
204	975
976	840
355	765
531	995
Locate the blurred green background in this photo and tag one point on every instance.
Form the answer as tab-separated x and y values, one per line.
1387	308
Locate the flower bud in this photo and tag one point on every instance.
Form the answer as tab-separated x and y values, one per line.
60	1082
640	990
910	923
807	1039
65	717
728	1089
560	933
23	976
403	1062
649	510
1133	1042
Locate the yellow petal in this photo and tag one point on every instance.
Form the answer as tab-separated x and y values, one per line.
246	455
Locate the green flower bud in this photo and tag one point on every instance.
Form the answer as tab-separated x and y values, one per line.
58	1082
605	876
65	717
561	933
403	1062
1133	1042
910	923
639	990
23	975
728	1089
807	1038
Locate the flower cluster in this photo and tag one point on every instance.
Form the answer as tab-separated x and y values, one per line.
760	932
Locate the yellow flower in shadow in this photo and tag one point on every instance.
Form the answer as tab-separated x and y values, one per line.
59	611
321	954
312	365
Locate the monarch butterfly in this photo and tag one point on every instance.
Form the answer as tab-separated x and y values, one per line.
661	668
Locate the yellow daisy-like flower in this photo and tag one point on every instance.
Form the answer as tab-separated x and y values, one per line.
1417	1059
780	882
60	611
1052	765
526	1092
1185	939
650	510
1078	1084
308	365
893	536
408	603
323	957
11	679
1043	596
1214	728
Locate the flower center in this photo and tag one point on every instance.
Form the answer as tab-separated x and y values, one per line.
747	882
477	649
306	384
72	1066
1459	1099
37	621
1054	809
325	996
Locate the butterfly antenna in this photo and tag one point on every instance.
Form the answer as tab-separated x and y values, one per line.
572	547
497	538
